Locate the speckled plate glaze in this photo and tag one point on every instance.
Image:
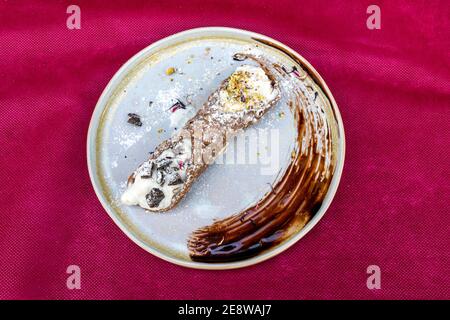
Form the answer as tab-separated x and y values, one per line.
202	58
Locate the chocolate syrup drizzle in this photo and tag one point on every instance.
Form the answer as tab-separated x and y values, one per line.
293	200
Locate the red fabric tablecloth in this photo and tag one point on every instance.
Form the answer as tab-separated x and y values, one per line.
392	206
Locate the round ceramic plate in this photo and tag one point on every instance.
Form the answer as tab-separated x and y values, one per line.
145	85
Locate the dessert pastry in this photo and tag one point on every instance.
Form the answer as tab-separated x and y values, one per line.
242	99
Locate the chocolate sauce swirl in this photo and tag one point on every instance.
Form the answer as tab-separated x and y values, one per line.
294	199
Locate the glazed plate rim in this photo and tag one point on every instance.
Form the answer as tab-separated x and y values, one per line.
118	77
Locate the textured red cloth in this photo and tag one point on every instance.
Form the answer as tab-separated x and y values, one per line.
392	206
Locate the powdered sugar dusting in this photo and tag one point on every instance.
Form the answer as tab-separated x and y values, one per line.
150	94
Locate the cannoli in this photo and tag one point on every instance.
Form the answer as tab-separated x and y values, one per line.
162	181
